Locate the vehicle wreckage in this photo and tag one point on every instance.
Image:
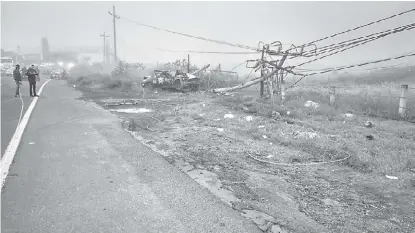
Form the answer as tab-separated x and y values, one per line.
176	80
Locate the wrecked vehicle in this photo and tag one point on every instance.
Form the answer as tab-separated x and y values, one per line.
175	80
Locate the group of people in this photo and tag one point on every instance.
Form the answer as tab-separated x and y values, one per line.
32	73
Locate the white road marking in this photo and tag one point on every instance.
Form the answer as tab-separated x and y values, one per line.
15	141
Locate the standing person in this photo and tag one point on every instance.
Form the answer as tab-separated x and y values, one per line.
38	72
18	79
31	77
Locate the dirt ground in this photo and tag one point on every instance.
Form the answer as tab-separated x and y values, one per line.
287	174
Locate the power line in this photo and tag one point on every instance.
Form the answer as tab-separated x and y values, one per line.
359	44
329	48
347	67
187	35
209	52
362	26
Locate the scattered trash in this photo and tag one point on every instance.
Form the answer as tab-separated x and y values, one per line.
133	110
275	114
249	118
369	124
227	94
370	137
310	103
262	220
155	92
31	143
220	129
288	113
74	86
204	105
305	134
331	202
201	114
269	156
229	116
270	143
348	115
264	136
217	119
261	126
392	177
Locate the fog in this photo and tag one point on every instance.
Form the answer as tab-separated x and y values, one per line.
73	25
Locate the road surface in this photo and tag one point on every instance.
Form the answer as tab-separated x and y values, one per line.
77	170
11	107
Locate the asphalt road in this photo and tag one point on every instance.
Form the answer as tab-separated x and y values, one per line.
77	170
12	106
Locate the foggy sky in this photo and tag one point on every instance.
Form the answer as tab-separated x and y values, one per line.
72	24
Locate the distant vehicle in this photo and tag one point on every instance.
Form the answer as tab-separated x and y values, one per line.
57	73
9	71
6	63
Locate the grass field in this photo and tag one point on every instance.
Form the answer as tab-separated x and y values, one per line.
297	188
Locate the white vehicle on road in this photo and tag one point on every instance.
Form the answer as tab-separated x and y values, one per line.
6	64
9	71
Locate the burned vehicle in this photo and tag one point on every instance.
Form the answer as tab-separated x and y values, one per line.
174	80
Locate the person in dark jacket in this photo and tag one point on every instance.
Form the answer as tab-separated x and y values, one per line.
31	77
18	79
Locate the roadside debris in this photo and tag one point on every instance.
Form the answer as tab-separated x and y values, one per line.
261	126
275	115
220	129
249	118
133	110
392	177
262	220
312	104
228	116
348	115
264	136
370	137
31	143
369	124
305	134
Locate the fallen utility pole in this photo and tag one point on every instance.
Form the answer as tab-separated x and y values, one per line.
243	85
114	16
275	78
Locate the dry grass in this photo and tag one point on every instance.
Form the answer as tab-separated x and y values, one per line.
364	199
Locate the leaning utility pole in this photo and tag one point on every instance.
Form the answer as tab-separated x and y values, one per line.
114	16
105	54
261	85
188	63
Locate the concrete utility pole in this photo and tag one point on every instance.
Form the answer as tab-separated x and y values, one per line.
105	54
188	63
261	84
114	16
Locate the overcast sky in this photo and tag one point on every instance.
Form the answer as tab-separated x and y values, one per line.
72	24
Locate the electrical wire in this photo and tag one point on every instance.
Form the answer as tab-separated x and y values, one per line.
332	47
209	52
355	45
191	36
362	26
347	67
